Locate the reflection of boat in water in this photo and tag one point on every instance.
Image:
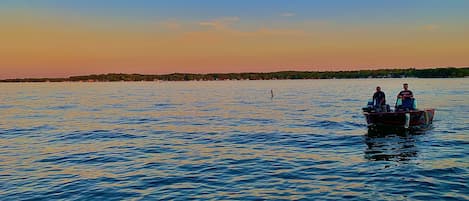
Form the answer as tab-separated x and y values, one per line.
390	146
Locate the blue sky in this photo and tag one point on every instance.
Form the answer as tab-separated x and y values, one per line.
340	10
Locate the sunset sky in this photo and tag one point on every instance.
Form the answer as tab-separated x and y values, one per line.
61	38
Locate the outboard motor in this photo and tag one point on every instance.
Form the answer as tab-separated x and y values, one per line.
369	107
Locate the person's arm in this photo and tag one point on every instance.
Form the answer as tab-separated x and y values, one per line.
384	99
374	98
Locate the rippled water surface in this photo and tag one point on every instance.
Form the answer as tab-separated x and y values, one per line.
227	140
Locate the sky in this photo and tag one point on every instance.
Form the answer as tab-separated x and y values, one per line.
61	38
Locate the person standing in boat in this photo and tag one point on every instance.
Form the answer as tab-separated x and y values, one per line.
407	98
379	100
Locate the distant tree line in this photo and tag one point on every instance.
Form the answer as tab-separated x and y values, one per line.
383	73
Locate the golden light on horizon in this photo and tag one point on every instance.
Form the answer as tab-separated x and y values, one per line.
39	45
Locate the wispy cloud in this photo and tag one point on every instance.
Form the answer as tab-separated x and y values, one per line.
172	25
221	23
280	32
287	14
430	27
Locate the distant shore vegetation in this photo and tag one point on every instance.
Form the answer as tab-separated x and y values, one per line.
282	75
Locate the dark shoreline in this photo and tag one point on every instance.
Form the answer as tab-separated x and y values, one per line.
449	72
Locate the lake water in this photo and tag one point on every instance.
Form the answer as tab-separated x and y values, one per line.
228	140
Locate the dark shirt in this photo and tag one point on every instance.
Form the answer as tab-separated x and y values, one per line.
379	98
407	100
406	94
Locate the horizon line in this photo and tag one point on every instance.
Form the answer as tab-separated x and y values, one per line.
225	73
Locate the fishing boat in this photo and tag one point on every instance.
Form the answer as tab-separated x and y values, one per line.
408	119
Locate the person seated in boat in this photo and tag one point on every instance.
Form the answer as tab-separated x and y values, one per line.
379	100
407	98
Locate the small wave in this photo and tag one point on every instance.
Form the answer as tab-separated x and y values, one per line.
62	107
166	105
21	131
441	172
256	121
158	149
6	106
96	135
167	182
100	188
83	158
350	100
333	125
136	120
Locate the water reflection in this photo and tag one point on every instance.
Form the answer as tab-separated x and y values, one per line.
223	141
390	145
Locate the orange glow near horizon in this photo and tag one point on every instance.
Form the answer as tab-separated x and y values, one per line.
38	45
